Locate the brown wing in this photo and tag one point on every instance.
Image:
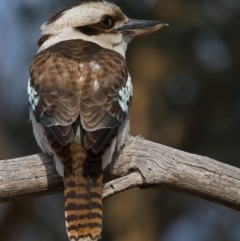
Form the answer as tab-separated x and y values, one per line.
75	79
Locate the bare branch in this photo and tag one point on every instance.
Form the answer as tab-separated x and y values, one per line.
140	164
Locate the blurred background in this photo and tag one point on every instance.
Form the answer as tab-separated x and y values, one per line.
186	81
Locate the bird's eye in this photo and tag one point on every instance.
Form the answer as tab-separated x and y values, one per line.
107	21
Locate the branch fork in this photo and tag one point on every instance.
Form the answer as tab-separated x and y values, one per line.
141	164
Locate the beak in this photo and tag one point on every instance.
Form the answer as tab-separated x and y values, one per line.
134	27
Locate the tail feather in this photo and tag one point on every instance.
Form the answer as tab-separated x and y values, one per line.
83	195
82	190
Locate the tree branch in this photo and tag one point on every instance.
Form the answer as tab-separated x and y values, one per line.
140	164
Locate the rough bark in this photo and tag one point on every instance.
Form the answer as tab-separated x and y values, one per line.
141	164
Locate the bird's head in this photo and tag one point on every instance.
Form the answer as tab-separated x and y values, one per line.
100	22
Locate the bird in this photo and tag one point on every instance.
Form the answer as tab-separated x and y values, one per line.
79	94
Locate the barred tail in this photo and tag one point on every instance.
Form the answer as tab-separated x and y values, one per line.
83	194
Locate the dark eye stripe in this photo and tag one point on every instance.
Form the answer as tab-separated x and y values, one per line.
106	22
89	30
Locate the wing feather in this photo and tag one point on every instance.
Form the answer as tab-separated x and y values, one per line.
75	79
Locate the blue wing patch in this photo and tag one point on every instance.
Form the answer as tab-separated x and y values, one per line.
125	94
33	96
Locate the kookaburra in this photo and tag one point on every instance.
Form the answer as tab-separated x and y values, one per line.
80	93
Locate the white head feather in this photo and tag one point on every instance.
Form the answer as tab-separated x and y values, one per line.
62	26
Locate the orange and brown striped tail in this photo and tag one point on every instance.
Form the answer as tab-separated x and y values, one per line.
82	190
83	194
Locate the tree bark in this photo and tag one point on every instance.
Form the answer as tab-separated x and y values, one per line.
141	163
